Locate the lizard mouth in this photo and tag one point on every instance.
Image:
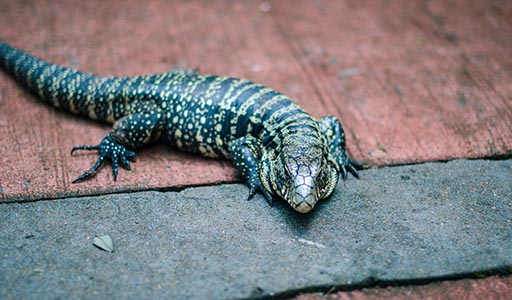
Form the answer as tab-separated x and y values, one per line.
303	207
303	200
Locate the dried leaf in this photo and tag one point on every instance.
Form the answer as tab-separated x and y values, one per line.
104	243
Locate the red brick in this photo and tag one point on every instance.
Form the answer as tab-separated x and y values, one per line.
411	82
495	288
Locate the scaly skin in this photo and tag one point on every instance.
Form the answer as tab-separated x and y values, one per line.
279	149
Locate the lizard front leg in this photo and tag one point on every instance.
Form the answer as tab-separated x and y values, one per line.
142	126
246	153
335	138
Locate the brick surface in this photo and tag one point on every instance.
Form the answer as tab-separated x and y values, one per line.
495	288
411	81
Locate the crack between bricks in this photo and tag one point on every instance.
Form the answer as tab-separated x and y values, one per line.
180	188
372	282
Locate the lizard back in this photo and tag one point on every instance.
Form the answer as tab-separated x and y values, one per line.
204	113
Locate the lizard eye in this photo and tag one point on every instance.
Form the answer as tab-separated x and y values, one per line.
327	180
290	166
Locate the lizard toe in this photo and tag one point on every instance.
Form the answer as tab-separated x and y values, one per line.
115	152
254	188
350	166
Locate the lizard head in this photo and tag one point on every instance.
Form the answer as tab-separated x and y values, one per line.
308	175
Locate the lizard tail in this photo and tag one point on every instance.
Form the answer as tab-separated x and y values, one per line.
80	93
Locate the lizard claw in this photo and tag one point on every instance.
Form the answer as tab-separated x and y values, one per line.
253	189
108	148
350	166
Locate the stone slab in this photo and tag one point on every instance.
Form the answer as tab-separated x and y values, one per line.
396	224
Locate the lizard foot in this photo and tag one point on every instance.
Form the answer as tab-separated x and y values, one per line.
117	153
350	166
255	187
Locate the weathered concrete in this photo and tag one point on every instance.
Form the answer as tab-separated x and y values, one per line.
399	223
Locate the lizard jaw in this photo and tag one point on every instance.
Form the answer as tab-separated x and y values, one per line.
303	207
303	199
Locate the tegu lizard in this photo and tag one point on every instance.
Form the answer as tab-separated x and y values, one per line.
279	149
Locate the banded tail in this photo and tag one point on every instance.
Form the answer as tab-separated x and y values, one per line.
80	93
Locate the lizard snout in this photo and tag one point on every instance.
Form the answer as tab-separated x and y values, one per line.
303	199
